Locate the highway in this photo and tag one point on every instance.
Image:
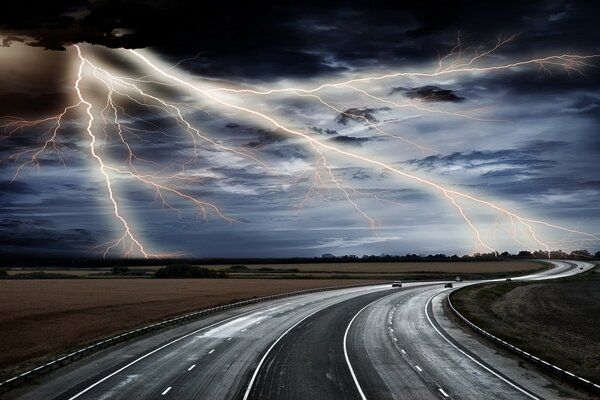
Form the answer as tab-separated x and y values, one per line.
361	343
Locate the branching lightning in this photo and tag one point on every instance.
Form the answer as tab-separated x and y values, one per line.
105	128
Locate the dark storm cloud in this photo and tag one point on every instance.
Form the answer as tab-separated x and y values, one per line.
526	159
16	188
27	105
264	39
533	83
542	185
264	140
361	175
7	41
322	131
359	114
38	236
357	141
429	93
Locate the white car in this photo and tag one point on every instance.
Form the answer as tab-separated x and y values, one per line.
396	284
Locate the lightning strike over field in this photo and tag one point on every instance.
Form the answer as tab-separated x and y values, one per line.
109	129
448	193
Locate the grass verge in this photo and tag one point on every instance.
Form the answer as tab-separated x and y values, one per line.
556	320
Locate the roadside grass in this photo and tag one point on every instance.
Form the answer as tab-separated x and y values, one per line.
556	320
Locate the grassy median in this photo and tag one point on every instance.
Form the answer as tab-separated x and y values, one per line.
558	320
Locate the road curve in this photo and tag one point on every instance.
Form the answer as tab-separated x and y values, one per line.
361	343
212	358
397	346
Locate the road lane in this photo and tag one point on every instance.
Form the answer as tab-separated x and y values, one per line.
422	352
309	362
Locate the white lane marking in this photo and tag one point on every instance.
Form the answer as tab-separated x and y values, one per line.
192	367
395	340
262	360
157	350
418	368
166	391
257	322
444	393
244	330
471	358
228	339
403	351
212	351
360	391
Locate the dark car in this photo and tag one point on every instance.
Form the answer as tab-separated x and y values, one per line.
448	285
508	279
396	284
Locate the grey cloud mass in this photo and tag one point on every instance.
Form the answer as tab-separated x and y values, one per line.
525	138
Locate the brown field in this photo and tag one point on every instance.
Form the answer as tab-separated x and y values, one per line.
44	317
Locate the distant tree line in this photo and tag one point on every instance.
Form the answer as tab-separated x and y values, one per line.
187	271
325	258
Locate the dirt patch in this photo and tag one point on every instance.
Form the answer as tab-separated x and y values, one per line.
42	317
556	321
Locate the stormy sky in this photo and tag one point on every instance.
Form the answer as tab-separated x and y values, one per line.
525	138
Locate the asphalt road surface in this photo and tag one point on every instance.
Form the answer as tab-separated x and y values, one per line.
362	343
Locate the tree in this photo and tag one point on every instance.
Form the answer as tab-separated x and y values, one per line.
119	270
187	271
581	254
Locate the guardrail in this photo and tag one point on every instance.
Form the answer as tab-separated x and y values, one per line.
76	355
536	360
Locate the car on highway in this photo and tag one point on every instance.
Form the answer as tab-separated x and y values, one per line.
396	284
448	285
508	279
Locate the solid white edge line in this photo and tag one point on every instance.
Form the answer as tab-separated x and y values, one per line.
470	357
587	266
444	393
264	357
358	387
418	368
212	351
156	350
175	341
166	391
192	367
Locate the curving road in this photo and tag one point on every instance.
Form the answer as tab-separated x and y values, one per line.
361	343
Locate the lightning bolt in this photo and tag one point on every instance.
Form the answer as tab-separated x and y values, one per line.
450	194
111	117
